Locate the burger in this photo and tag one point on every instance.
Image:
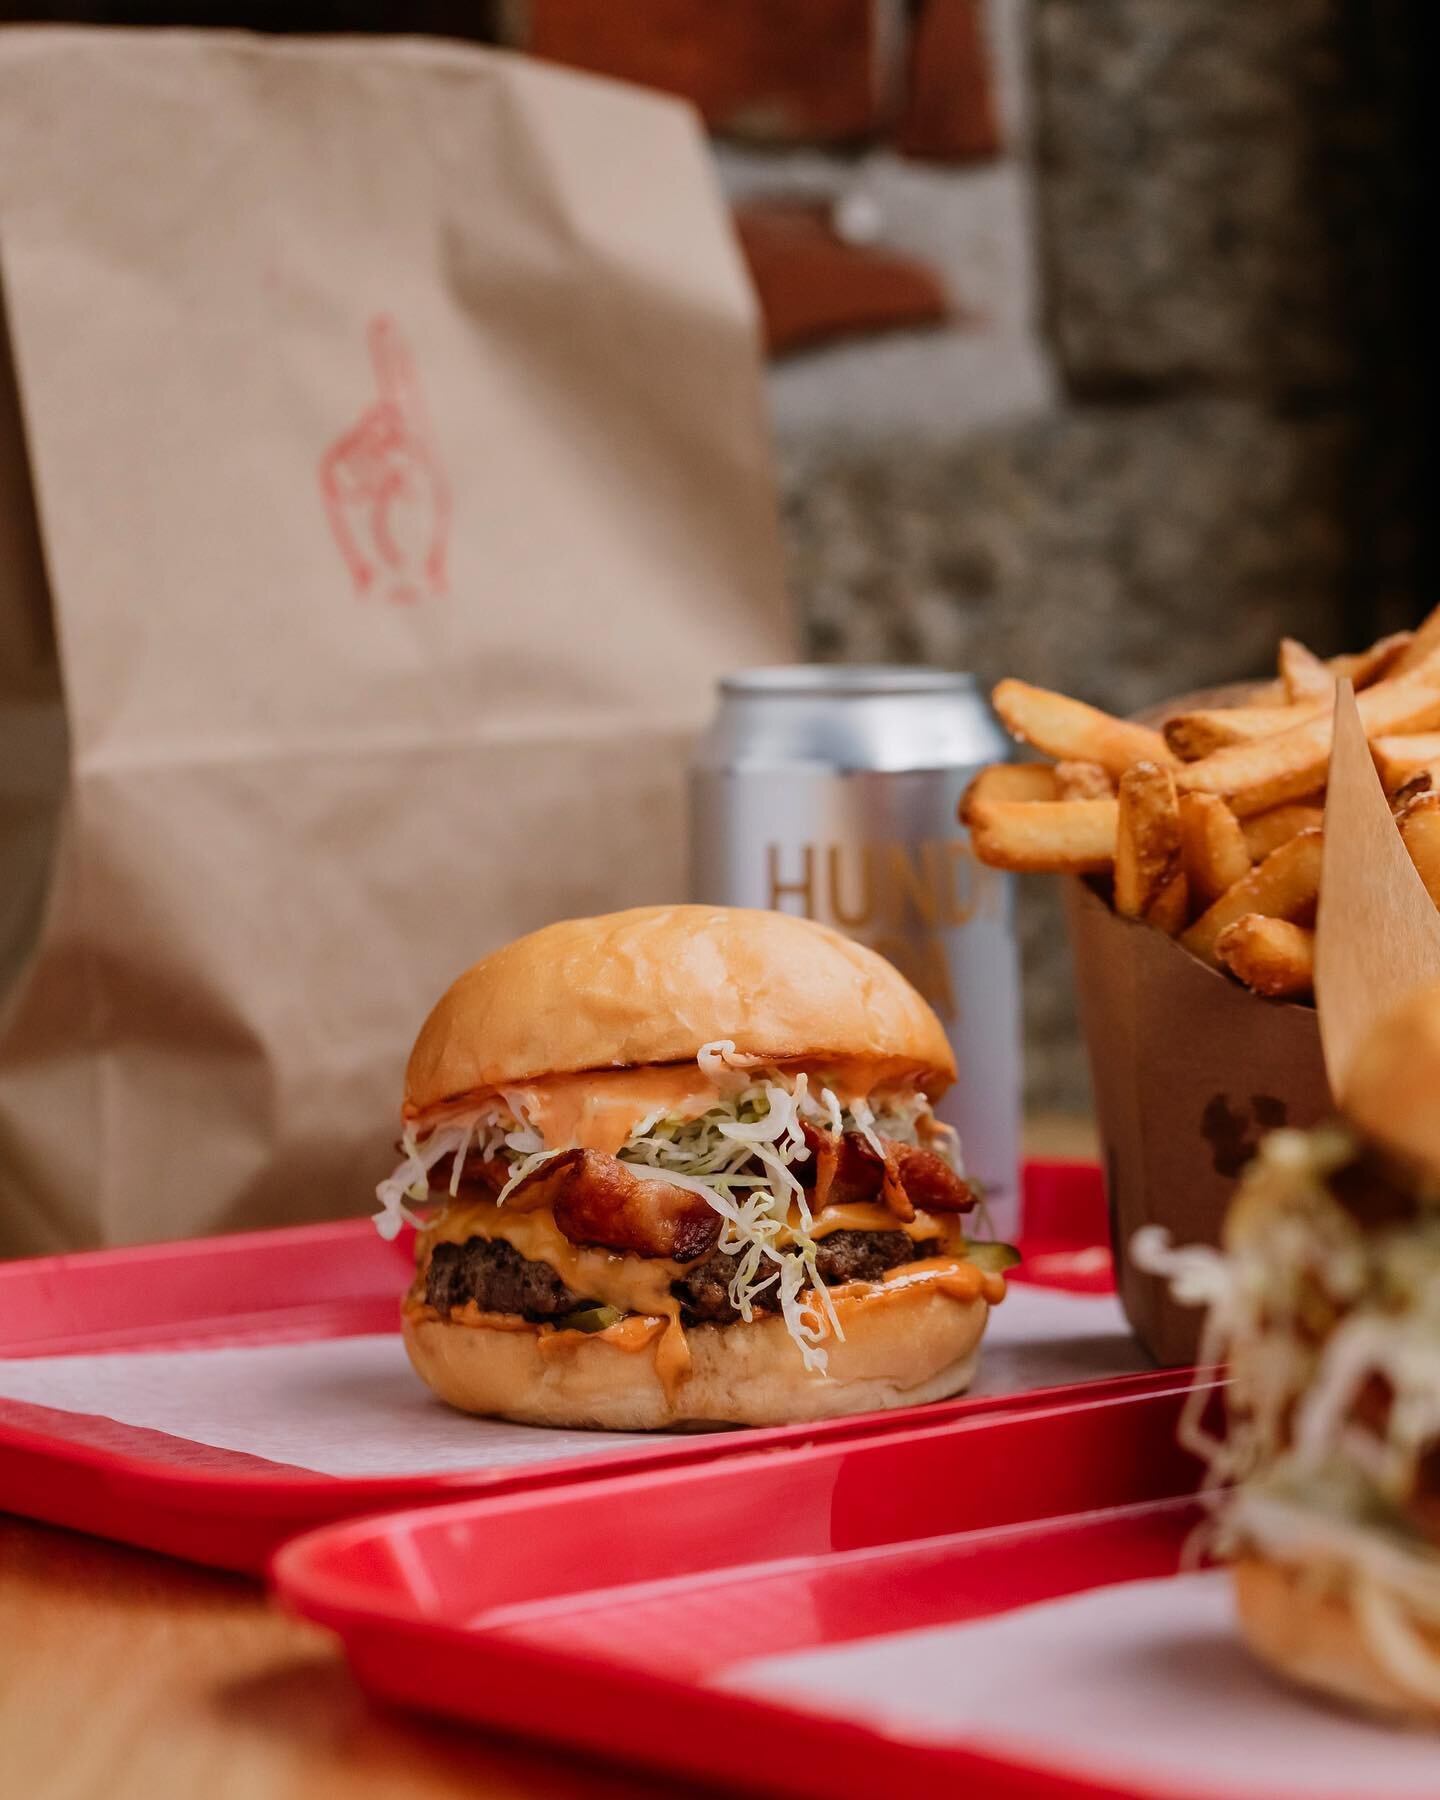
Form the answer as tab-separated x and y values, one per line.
679	1166
1326	1304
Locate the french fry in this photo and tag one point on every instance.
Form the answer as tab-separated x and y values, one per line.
1170	908
1212	847
1284	886
1267	831
1363	667
1303	674
1070	731
1195	734
1424	642
1273	956
1055	837
1255	777
1359	667
1147	838
1276	692
1005	783
1420	828
1222	813
1083	781
1398	758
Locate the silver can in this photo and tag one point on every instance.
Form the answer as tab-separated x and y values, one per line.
832	792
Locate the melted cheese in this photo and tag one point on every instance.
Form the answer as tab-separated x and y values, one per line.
638	1284
633	1334
952	1275
866	1216
642	1283
672	1358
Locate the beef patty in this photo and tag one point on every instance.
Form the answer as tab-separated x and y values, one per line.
498	1278
842	1256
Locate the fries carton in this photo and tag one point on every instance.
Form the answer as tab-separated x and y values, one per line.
1236	817
1190	1070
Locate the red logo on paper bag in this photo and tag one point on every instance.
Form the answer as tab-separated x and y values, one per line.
385	494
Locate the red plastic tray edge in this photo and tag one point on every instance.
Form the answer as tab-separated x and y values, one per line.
894	1430
236	1520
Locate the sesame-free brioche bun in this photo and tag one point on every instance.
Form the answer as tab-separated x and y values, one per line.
657	983
1309	1633
905	1344
1392	1091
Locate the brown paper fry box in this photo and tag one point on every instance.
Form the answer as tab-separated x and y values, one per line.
1190	1070
383	482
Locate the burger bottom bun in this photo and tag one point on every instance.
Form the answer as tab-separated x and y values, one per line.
901	1348
1312	1636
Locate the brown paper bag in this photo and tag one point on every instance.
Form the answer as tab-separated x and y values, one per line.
386	428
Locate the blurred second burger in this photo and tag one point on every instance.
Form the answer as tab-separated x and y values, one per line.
1326	1303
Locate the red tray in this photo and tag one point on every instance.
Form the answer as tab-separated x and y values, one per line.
311	1283
601	1617
989	1607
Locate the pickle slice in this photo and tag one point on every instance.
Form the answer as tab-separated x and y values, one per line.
591	1318
993	1257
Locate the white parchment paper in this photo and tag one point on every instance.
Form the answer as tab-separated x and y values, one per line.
1040	1337
353	1406
1144	1681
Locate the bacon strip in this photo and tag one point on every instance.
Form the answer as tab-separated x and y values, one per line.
847	1170
491	1173
824	1157
929	1180
598	1200
868	1172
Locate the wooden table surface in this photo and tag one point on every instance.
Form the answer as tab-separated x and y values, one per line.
126	1676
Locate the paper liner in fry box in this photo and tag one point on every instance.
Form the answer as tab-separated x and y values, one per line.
1378	933
1190	1071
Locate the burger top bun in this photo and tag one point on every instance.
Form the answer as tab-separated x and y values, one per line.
1392	1088
655	985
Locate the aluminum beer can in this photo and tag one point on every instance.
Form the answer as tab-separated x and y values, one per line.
832	792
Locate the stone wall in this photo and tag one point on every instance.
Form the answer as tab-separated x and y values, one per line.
1224	196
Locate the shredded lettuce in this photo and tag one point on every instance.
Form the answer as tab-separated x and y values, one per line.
496	1129
740	1154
